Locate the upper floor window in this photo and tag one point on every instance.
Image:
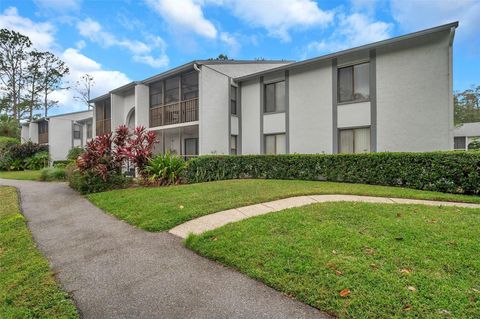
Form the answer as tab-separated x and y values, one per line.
354	83
275	97
233	100
103	110
42	127
89	130
76	131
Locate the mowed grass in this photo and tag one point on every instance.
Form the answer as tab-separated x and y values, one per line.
390	261
22	175
161	208
27	286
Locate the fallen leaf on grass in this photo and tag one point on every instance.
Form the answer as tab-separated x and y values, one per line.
345	292
214	238
406	271
369	251
373	266
407	307
476	290
338	273
334	252
181	207
411	288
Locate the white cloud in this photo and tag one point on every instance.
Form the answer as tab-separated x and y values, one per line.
80	64
184	15
351	31
153	54
231	42
58	5
412	16
41	34
278	17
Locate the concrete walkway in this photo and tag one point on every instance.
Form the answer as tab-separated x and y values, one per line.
212	221
114	270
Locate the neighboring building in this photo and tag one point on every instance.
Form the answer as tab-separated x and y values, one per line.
60	132
392	95
465	134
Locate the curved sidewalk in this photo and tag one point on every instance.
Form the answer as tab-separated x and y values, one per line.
212	221
114	270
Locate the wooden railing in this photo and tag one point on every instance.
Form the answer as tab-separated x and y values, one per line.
43	138
103	126
174	113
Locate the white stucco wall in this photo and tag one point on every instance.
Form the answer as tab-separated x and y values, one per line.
414	107
250	104
240	69
142	105
25	134
33	132
213	112
274	123
122	104
353	115
234	125
59	138
310	109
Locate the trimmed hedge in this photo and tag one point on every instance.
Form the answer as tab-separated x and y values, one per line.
451	172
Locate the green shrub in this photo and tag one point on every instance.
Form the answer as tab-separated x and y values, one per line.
37	161
452	172
16	164
62	163
165	169
88	182
474	145
25	150
74	153
7	142
52	174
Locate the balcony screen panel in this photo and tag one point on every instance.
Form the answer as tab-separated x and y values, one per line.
280	144
108	113
361	75
346	141
156	94
99	110
172	90
270	144
190	85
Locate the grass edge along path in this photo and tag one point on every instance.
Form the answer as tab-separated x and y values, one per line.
21	175
27	286
360	260
162	208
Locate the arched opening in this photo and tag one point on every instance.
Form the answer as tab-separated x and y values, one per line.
131	119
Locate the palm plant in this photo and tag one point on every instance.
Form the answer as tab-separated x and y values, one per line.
165	169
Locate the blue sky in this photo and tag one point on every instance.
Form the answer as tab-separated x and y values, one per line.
120	41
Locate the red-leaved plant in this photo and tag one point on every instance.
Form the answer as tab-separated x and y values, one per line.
106	154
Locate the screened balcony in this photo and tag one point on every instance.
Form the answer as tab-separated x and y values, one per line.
103	117
174	100
43	132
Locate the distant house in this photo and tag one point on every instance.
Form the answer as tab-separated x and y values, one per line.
465	134
392	95
60	132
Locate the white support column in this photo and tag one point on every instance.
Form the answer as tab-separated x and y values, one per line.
117	111
142	107
33	132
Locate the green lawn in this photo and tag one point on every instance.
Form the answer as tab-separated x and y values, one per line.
27	286
161	208
23	175
397	261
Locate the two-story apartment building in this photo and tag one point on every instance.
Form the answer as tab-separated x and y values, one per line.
60	132
392	95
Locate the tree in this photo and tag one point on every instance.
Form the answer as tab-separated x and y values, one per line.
13	57
34	81
467	105
53	70
221	57
83	88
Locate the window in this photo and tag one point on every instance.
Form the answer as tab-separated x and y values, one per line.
42	127
89	130
190	85
233	100
354	140
76	131
172	90
275	144
233	145
354	83
191	146
156	94
275	97
459	143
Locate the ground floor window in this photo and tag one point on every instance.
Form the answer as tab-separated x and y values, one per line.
233	145
191	146
459	143
76	131
275	144
354	140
